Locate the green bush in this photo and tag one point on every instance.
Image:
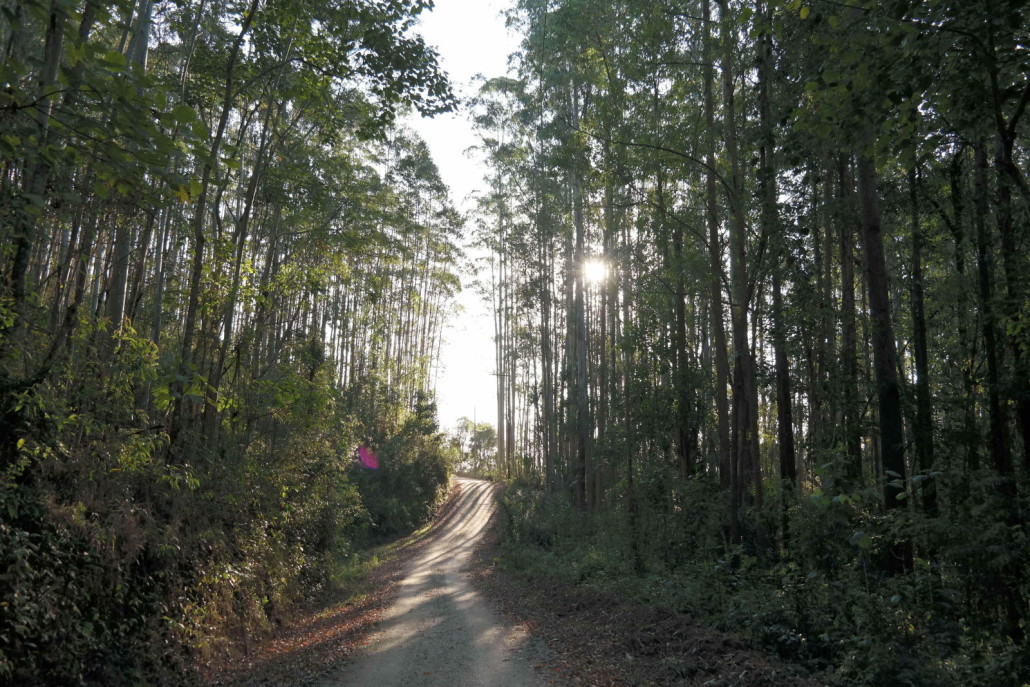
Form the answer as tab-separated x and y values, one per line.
127	554
415	464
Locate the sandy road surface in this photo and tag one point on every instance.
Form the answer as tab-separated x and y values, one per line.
439	631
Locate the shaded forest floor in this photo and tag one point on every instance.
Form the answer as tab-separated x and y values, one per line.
592	638
598	640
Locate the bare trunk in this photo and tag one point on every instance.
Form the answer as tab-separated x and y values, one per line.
772	230
885	356
745	426
924	411
849	341
581	429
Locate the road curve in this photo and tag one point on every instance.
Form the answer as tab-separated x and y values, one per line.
439	631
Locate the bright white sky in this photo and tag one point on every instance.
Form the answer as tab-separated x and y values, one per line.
471	38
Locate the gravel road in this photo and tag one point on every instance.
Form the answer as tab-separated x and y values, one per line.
439	631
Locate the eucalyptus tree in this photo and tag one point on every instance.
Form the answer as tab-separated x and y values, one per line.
223	266
847	200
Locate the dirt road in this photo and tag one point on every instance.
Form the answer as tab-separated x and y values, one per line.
439	631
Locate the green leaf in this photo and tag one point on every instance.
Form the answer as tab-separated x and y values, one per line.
861	539
183	114
804	12
114	59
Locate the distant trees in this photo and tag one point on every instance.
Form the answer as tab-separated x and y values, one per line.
809	213
476	443
223	267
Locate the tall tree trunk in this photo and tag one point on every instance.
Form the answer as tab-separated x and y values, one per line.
719	346
849	331
35	175
200	211
924	411
771	229
745	426
1000	451
500	312
966	340
999	439
681	373
581	428
1013	256
547	365
119	275
240	239
885	356
199	221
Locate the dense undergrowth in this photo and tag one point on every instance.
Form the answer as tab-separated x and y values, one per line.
124	562
823	599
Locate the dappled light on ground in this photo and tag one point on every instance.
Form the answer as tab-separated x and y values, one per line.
440	631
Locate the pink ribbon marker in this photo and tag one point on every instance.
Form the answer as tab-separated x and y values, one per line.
367	458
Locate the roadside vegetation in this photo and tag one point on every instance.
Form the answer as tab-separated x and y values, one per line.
760	282
224	269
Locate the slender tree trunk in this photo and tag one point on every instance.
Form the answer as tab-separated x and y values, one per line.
771	228
499	339
581	428
1013	601
885	356
999	439
924	411
745	429
966	341
1013	257
547	363
200	212
849	331
119	274
241	235
719	345
35	175
199	221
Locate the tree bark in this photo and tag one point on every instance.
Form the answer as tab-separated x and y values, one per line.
771	228
849	331
924	412
719	347
745	426
885	356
